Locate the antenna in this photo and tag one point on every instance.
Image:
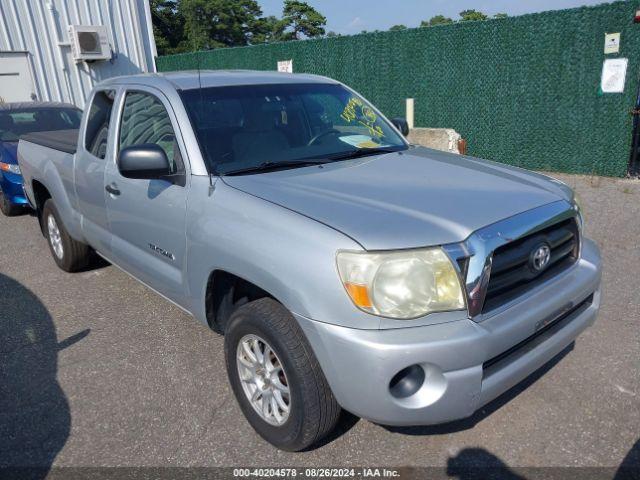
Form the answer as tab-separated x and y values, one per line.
199	79
211	184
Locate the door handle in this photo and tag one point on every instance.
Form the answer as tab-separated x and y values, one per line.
112	188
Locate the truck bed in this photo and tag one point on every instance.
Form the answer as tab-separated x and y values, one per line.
48	158
63	140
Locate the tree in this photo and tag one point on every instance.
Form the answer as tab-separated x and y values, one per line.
472	15
190	25
500	15
219	23
437	20
268	29
168	28
396	28
301	20
440	20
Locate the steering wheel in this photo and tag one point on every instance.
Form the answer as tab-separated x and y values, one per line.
317	137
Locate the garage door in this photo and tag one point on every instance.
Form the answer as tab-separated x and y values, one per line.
15	78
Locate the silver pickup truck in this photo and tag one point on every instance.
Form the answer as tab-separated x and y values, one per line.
345	267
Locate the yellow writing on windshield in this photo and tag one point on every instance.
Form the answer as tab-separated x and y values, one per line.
349	112
357	110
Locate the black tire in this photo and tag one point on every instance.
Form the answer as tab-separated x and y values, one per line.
8	208
314	411
75	255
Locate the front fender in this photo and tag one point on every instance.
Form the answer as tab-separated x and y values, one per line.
290	256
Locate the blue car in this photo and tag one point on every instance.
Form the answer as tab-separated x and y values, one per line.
17	119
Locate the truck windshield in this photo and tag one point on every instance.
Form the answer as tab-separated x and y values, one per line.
17	122
242	128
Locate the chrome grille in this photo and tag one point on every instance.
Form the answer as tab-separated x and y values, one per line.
512	269
491	261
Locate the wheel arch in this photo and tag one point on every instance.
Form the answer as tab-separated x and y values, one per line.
55	190
40	195
226	291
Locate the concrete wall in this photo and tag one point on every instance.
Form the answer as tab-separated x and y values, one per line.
445	139
39	28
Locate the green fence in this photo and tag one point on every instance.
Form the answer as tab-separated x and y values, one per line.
522	90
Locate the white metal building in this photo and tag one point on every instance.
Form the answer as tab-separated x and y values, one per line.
56	50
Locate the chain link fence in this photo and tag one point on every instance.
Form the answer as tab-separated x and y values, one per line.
522	90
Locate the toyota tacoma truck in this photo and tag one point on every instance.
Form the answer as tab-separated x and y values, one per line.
347	268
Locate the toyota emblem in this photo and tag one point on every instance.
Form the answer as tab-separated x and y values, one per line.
540	257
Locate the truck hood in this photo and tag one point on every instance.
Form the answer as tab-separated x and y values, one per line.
418	197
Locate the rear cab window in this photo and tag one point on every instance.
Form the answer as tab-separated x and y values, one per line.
97	129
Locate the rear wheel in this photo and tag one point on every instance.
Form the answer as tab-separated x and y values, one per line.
7	208
69	254
276	377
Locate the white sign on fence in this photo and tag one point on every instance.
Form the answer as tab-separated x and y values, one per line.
611	43
285	66
614	72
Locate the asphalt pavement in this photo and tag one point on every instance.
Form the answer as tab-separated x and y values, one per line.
97	370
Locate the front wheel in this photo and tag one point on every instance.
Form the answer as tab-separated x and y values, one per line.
276	377
69	254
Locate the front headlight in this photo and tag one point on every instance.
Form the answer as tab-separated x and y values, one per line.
10	167
401	284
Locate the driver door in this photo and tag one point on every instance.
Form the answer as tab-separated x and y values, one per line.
147	217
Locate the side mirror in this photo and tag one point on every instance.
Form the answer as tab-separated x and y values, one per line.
401	124
146	161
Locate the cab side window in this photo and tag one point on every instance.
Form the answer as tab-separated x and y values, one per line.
145	121
97	131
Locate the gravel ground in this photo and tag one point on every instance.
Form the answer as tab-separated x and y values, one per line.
99	371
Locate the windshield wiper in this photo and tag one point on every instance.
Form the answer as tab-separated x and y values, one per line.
361	152
273	166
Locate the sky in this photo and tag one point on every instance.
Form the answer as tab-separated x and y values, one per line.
352	16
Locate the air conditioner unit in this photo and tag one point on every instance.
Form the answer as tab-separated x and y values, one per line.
89	42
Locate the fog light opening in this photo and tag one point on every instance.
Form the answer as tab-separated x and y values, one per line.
407	381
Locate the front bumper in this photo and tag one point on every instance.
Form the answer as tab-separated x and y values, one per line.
466	364
11	185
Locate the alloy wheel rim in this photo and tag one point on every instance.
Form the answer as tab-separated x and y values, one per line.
54	237
263	379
